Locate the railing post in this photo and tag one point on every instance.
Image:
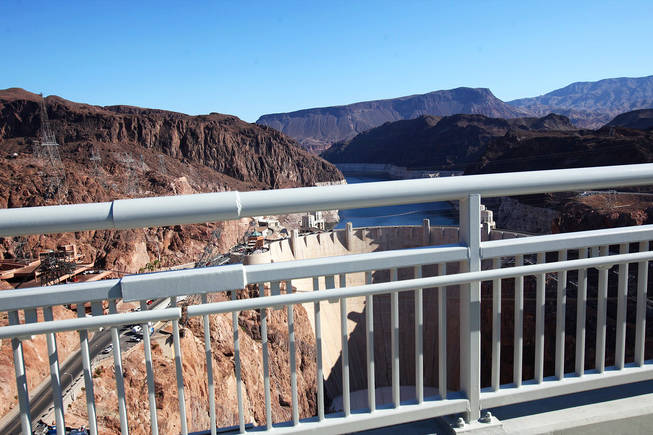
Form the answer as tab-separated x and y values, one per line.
470	307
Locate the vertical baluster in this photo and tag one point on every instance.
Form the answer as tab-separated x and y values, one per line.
470	306
519	324
55	376
318	346
620	349
581	300
293	364
345	349
178	368
88	378
266	360
419	340
394	341
239	380
21	378
601	311
117	367
151	392
209	365
442	335
539	322
640	319
275	289
369	342
561	309
330	283
496	327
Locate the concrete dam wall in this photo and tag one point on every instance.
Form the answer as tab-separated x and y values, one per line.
365	240
392	171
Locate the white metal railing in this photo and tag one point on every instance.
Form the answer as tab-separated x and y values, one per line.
479	262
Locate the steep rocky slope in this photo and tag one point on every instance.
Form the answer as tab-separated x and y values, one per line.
451	142
247	152
592	104
317	128
638	119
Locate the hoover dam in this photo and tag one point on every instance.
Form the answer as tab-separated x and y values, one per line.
352	240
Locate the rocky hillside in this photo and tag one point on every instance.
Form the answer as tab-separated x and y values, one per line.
120	151
528	150
452	142
638	119
246	152
317	129
592	104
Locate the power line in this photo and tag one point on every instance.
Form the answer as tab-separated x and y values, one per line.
53	174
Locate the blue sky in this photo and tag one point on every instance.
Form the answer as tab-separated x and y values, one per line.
249	58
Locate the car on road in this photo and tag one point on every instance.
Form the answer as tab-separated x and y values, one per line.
107	349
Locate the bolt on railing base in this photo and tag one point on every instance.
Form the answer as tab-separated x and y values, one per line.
487	424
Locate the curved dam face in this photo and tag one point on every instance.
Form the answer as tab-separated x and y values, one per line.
365	240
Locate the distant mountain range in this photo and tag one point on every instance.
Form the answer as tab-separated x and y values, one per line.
592	104
586	104
317	129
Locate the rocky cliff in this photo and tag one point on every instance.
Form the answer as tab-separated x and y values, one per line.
317	129
224	143
120	151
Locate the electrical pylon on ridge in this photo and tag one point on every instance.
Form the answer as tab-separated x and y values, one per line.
54	175
131	185
162	166
98	173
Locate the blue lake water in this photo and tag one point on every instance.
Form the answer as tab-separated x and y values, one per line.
440	213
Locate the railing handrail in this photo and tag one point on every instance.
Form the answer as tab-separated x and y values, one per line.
229	277
560	241
205	207
417	283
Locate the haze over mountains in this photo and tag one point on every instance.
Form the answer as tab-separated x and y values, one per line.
586	104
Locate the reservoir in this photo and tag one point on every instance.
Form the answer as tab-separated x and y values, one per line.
440	213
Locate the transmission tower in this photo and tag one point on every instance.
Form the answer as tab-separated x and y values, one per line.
96	159
131	184
209	256
54	174
162	166
21	248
